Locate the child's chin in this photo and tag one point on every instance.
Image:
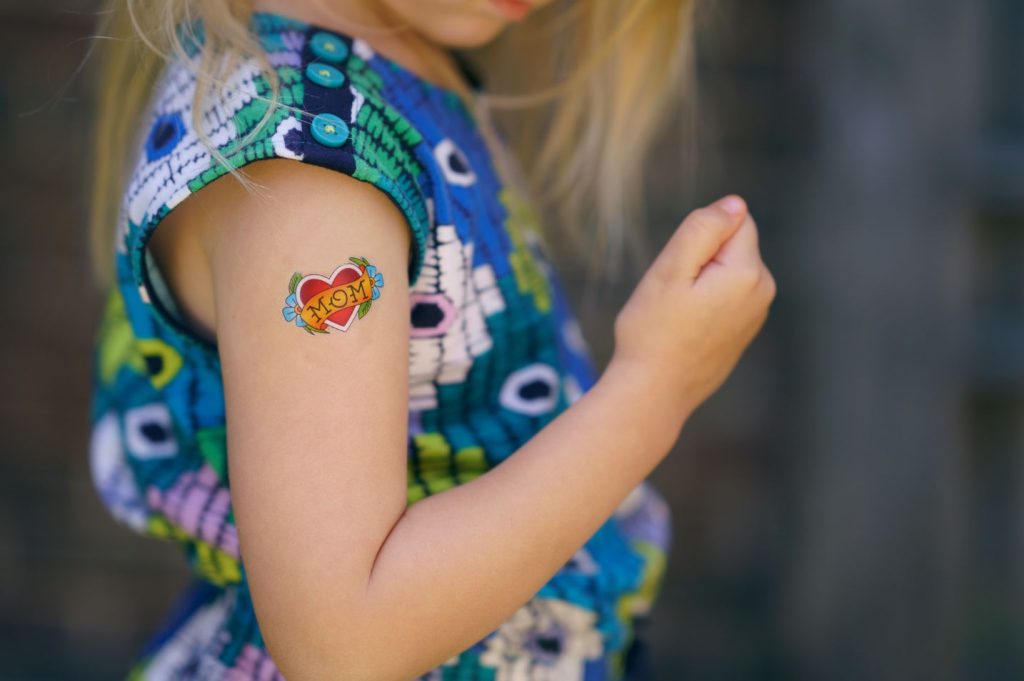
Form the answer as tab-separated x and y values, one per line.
466	33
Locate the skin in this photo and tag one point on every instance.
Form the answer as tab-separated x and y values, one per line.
432	26
347	581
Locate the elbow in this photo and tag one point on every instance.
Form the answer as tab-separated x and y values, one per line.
315	634
361	652
348	660
324	649
297	661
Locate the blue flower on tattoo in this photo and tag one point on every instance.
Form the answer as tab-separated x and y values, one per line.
291	312
378	280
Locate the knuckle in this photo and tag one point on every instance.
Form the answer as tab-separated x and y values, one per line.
769	283
747	276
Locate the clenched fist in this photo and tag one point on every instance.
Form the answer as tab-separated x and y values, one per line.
698	306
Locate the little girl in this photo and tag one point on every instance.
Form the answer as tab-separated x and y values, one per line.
349	384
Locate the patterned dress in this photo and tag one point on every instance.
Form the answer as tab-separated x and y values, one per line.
494	355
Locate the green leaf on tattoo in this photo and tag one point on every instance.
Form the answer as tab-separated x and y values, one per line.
294	282
363	309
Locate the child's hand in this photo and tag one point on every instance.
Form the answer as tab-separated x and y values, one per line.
698	306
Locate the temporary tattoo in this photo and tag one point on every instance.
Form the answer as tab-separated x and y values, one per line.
316	302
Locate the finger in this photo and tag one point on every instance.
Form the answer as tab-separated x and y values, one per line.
742	248
705	230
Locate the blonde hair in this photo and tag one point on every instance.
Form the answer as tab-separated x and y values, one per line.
581	138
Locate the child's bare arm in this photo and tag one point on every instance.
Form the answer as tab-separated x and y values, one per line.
459	563
347	582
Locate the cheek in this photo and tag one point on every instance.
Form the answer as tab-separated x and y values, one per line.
452	23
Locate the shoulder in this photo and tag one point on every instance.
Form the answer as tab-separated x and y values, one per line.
294	214
297	210
328	114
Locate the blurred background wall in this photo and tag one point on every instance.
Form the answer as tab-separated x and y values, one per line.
847	506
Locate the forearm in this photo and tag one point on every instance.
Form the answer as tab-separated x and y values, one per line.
459	563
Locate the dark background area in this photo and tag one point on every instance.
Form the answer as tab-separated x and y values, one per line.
847	506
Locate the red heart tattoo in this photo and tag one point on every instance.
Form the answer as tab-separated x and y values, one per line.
312	284
318	302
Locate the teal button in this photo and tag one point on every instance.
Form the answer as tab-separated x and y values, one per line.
328	46
329	130
324	74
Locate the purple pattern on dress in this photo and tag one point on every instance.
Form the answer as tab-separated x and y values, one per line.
196	503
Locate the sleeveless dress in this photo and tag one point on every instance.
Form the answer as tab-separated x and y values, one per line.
495	354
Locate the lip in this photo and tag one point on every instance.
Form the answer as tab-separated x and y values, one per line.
515	10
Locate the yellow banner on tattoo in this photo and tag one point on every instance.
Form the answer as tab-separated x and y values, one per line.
321	306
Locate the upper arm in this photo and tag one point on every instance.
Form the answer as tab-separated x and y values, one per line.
316	423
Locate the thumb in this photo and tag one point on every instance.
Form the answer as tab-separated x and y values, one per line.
705	230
